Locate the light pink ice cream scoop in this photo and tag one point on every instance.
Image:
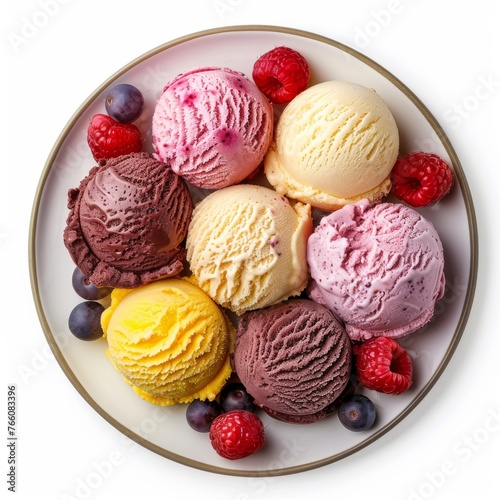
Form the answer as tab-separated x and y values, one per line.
213	126
378	267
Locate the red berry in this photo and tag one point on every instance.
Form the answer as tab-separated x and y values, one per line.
108	138
421	178
237	434
383	365
281	74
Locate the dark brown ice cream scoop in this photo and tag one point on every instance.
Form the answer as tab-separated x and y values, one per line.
294	358
127	222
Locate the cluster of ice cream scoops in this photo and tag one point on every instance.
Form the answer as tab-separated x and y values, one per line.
289	273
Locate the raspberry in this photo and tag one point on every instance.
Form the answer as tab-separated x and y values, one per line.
237	434
383	365
108	138
421	178
281	74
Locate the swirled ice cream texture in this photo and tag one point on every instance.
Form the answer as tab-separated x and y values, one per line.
246	246
294	358
127	222
379	267
213	126
169	341
335	143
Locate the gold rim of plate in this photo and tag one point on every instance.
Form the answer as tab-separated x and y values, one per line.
460	177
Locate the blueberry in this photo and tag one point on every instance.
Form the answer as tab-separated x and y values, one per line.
234	396
357	413
201	414
85	320
124	103
85	289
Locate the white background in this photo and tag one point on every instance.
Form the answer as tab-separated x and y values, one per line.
447	52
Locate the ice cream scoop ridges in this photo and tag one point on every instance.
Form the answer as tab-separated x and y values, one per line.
378	266
334	144
127	222
246	247
213	126
169	341
294	358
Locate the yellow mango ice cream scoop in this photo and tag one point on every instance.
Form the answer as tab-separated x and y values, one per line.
169	341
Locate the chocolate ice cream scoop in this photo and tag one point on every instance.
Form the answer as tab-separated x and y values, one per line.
127	222
294	359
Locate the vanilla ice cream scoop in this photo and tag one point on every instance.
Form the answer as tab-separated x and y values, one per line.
334	144
246	246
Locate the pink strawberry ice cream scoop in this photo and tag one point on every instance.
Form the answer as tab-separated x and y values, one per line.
294	358
378	267
127	222
213	126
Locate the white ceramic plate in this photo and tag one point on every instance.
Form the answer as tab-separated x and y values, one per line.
289	448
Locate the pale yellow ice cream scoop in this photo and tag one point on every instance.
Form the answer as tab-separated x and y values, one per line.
169	340
334	144
246	246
